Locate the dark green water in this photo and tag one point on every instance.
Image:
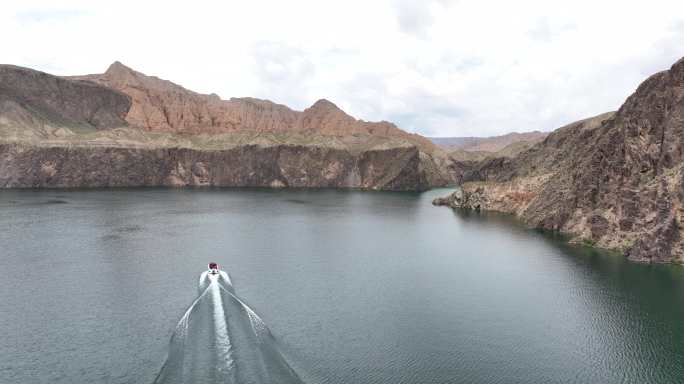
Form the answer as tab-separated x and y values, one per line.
356	288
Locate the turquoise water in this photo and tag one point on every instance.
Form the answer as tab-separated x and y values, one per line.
355	287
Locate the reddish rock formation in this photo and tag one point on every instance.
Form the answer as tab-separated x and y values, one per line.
160	105
615	181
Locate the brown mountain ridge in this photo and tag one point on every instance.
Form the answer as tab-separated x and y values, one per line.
162	106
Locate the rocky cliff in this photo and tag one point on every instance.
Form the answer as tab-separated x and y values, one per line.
254	162
127	129
615	181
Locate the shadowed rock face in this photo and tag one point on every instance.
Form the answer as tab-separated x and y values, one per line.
616	180
259	166
30	97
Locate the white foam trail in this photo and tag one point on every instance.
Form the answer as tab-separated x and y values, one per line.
203	277
220	339
258	326
179	338
223	345
183	323
225	277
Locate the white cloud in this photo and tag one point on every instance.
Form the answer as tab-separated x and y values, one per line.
438	67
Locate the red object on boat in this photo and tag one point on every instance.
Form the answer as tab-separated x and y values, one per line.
213	266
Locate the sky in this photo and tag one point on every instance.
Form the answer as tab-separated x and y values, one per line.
435	67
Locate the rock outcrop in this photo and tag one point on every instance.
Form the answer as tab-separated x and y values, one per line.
123	128
615	181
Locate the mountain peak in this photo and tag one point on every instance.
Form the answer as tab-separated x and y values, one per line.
118	68
324	104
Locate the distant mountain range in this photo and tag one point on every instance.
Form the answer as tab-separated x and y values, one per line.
469	149
487	144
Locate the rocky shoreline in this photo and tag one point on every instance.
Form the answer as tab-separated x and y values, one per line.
615	181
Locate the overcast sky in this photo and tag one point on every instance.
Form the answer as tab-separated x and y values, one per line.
436	67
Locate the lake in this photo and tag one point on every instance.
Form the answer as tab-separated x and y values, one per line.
356	287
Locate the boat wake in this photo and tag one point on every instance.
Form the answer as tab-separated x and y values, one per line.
220	339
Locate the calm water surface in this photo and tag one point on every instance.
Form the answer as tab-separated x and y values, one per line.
356	287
